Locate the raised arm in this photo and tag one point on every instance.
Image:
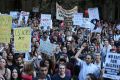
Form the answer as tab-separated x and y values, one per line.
79	52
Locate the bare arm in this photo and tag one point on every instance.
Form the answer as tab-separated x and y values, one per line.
79	52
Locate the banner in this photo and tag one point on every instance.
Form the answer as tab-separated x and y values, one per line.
47	47
93	13
77	19
112	66
22	39
46	21
5	28
61	13
23	17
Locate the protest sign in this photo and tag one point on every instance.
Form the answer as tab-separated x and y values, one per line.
5	28
14	14
46	21
87	24
112	66
46	16
93	13
22	39
77	19
23	17
61	13
47	47
35	9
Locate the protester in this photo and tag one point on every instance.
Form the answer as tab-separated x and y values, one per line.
4	72
63	61
86	66
50	66
10	61
61	74
106	49
27	73
19	62
15	74
43	72
60	52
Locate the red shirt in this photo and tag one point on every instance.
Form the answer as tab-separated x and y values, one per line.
26	77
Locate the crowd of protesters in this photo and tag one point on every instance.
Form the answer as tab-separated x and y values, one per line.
79	55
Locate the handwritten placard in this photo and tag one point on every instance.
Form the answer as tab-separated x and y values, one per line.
22	39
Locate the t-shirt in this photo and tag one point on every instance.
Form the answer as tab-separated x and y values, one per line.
26	77
86	69
48	77
57	77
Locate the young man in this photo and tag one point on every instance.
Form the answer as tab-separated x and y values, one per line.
99	64
105	49
43	75
61	74
86	66
63	61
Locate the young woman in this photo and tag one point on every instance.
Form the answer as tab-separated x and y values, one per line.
28	71
15	75
5	72
10	61
50	65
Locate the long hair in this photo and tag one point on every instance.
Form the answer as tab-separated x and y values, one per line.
28	68
18	72
51	66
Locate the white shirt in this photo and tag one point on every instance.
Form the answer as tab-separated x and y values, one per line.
116	37
85	69
106	50
99	67
99	29
98	64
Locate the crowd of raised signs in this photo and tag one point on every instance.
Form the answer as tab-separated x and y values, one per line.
80	54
